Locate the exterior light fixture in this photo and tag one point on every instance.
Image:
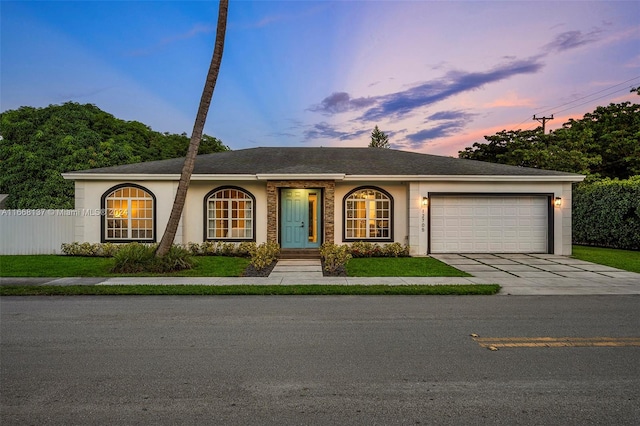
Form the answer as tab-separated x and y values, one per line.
425	201
557	201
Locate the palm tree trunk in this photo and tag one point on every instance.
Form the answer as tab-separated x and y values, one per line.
196	136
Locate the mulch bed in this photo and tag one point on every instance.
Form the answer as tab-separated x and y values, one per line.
340	272
251	271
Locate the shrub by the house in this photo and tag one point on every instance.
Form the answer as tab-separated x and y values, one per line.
136	257
335	257
90	250
367	249
207	248
264	255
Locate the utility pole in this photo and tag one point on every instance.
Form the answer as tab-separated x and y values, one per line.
543	120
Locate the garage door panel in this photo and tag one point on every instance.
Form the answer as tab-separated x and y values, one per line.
510	233
496	221
483	247
466	211
437	212
494	224
466	232
495	247
451	221
510	221
481	234
480	222
437	222
511	247
466	221
463	247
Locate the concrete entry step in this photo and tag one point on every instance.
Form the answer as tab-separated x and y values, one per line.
299	254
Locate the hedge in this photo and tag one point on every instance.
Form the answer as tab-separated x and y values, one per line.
606	213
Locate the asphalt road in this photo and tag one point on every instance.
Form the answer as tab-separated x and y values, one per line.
315	360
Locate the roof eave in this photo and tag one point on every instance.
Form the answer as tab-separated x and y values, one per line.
300	176
470	178
325	176
119	176
153	176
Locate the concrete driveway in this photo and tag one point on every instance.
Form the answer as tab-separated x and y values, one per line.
538	274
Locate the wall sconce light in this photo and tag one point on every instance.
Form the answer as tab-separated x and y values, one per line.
425	201
557	201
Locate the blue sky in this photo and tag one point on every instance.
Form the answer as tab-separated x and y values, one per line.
434	75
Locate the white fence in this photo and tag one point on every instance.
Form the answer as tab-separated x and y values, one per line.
39	231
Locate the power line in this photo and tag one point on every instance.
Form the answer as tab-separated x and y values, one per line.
589	95
591	100
553	109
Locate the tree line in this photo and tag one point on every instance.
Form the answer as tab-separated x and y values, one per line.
603	144
38	144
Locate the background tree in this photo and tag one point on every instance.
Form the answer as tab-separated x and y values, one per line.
604	143
38	144
196	136
379	139
532	148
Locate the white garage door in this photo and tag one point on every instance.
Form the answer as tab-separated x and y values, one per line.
490	224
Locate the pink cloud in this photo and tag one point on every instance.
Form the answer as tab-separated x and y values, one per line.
509	101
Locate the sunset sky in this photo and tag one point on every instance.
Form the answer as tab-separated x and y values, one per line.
436	76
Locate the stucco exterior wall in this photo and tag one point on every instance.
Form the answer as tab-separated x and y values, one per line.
410	216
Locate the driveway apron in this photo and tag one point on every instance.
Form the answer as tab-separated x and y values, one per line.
537	274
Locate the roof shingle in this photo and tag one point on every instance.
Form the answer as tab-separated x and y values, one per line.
349	161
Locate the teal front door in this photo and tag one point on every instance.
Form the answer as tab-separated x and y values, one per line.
300	218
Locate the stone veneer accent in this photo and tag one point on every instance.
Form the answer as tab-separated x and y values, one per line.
273	199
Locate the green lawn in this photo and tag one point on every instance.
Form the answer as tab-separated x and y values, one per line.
80	290
401	267
628	260
72	266
213	266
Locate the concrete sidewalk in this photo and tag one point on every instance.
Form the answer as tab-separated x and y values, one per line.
289	279
511	286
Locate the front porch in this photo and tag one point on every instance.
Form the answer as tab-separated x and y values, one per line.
325	220
311	253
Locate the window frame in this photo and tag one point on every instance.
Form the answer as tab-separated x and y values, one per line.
205	215
104	216
387	239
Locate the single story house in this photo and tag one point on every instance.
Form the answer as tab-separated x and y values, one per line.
302	197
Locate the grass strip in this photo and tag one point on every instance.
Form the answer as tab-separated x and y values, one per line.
75	266
628	260
156	290
401	267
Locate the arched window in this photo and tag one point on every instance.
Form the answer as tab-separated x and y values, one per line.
368	215
229	215
129	214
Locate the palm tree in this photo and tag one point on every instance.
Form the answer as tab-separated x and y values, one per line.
198	128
